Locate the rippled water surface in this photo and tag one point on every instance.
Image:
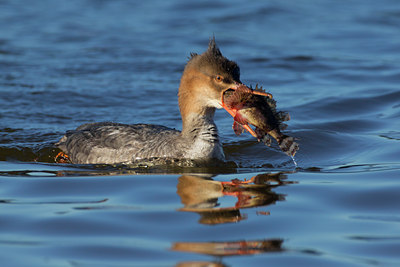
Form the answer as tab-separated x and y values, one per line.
334	65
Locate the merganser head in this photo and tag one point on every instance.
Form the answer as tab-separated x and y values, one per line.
205	78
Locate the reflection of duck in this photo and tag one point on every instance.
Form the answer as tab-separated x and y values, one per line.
200	264
201	195
230	248
203	82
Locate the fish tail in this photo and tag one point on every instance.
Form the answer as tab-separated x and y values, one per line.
288	145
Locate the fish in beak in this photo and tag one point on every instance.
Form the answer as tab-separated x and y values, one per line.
255	107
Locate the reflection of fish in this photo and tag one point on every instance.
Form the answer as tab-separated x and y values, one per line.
259	111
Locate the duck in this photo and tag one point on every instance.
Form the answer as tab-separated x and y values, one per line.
205	77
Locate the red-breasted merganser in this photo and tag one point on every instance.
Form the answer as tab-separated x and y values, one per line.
204	79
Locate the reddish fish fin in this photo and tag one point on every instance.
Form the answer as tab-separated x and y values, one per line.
237	128
239	118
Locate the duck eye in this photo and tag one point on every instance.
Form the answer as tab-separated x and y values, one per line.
218	78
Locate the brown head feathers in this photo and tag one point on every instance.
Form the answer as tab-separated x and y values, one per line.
212	62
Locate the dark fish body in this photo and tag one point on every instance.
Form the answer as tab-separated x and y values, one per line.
260	111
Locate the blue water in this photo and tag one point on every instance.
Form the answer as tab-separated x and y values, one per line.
334	65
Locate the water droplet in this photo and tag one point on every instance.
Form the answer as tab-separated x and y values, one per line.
294	161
